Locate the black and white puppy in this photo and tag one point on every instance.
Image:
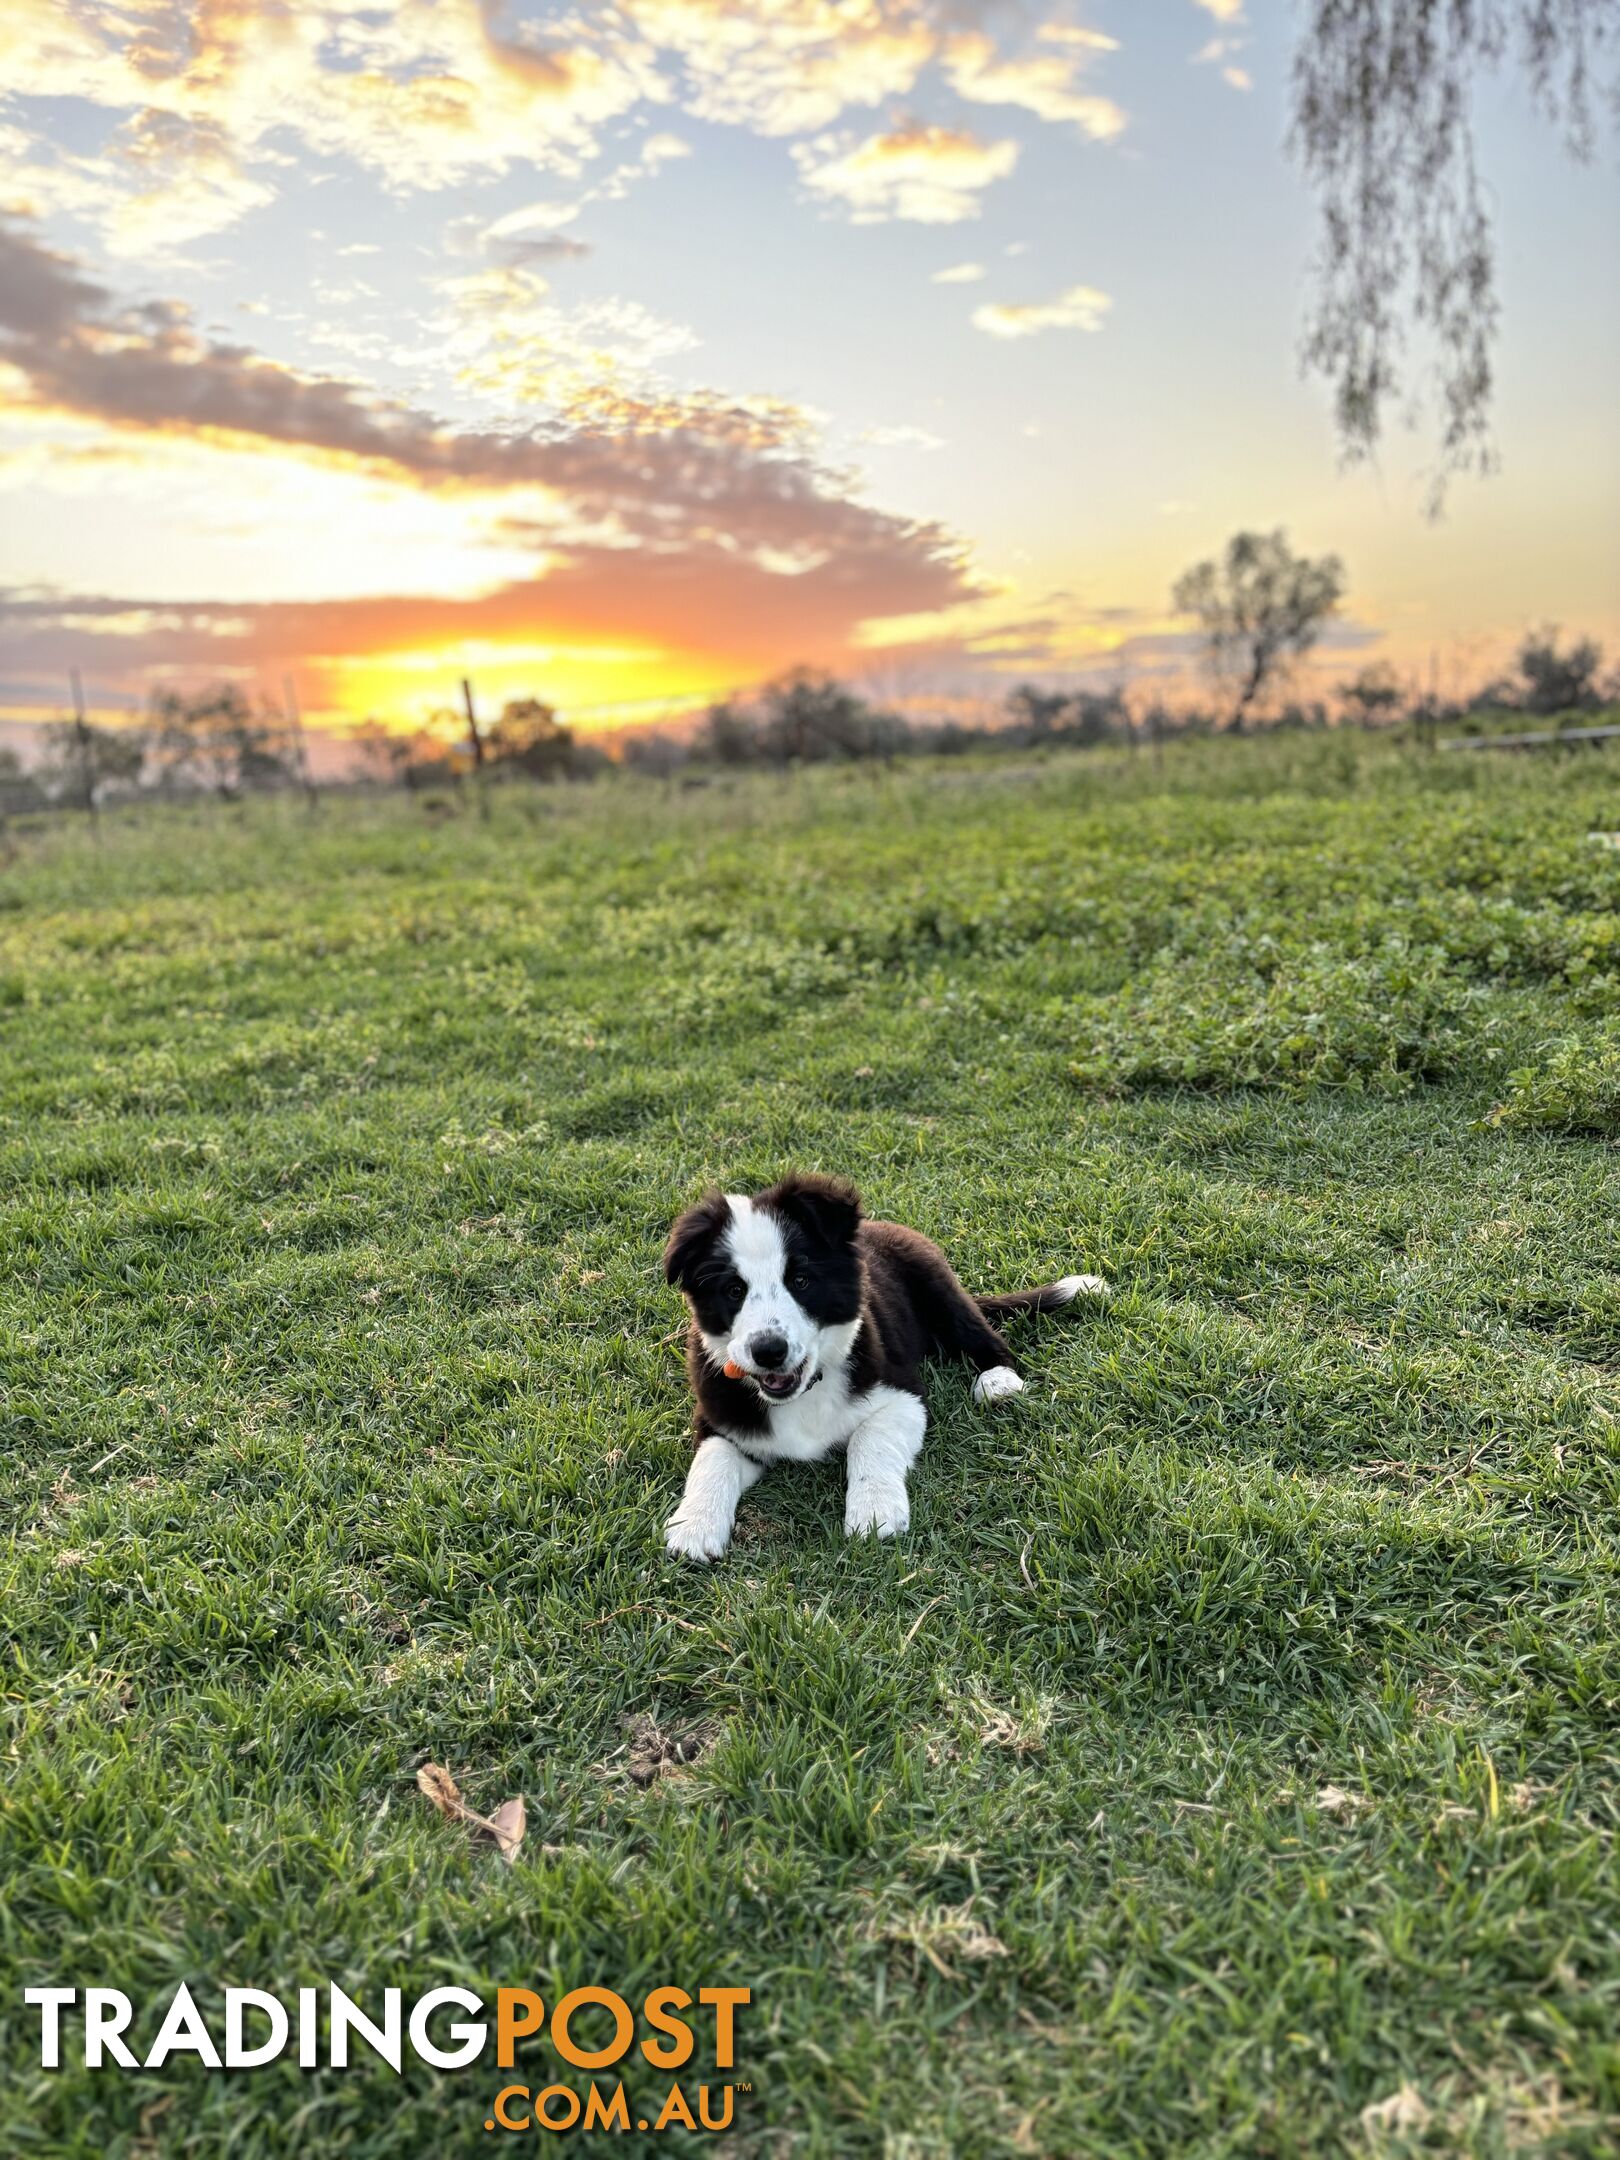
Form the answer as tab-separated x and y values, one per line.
809	1328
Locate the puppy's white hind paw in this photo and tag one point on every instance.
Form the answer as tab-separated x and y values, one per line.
884	1510
1095	1286
998	1382
696	1536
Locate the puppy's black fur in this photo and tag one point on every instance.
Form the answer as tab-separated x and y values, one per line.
840	1266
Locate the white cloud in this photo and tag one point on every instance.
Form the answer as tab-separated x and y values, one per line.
540	217
1222	52
928	175
959	274
902	437
783	67
1072	34
1044	83
214	102
422	92
1082	307
505	339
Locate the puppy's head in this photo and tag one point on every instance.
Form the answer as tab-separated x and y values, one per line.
774	1281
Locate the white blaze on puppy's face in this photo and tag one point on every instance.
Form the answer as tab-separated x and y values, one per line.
754	1244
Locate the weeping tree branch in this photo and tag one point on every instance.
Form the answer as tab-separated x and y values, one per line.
1383	128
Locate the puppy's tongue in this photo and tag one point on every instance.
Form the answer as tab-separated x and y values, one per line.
779	1384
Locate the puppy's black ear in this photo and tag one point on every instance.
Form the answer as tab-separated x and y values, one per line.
828	1207
693	1234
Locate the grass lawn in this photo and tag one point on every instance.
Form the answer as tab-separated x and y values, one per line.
1233	1741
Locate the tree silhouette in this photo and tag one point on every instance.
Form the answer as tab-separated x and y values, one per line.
1374	695
527	735
216	740
1259	608
1558	678
81	758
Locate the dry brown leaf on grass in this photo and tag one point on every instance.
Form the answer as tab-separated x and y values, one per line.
441	1788
941	1932
1334	1800
505	1827
652	1753
1404	2109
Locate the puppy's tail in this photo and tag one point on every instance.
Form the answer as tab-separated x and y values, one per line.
1045	1299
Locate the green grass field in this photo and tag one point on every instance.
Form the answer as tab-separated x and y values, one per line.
1232	1743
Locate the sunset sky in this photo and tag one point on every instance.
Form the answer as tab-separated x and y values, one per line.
626	354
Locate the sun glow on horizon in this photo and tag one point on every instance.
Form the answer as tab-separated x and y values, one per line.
627	358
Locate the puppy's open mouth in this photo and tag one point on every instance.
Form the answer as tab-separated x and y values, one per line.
778	1386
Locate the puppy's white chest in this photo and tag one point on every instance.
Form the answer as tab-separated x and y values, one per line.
810	1426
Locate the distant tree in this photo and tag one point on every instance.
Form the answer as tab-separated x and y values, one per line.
83	758
1296	717
1258	608
804	717
588	761
1082	717
1558	679
432	763
654	753
808	717
1373	695
1097	716
1036	713
528	739
20	791
217	741
952	739
728	734
1501	694
380	753
1382	126
1157	721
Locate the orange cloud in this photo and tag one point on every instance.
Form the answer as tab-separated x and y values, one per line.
687	539
603	627
146	368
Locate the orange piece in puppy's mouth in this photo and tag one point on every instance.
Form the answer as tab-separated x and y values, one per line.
733	1370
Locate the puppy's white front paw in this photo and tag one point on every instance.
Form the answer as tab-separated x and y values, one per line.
696	1535
884	1510
998	1382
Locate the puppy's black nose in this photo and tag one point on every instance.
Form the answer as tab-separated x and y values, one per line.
769	1351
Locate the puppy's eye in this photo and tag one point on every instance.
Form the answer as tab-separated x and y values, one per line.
733	1286
798	1278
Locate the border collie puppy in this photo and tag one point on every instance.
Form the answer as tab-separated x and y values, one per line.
809	1328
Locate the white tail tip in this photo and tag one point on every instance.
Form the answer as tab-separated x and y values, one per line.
1074	1286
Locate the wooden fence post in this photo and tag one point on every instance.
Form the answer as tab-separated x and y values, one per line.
480	781
295	719
301	748
87	759
473	736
